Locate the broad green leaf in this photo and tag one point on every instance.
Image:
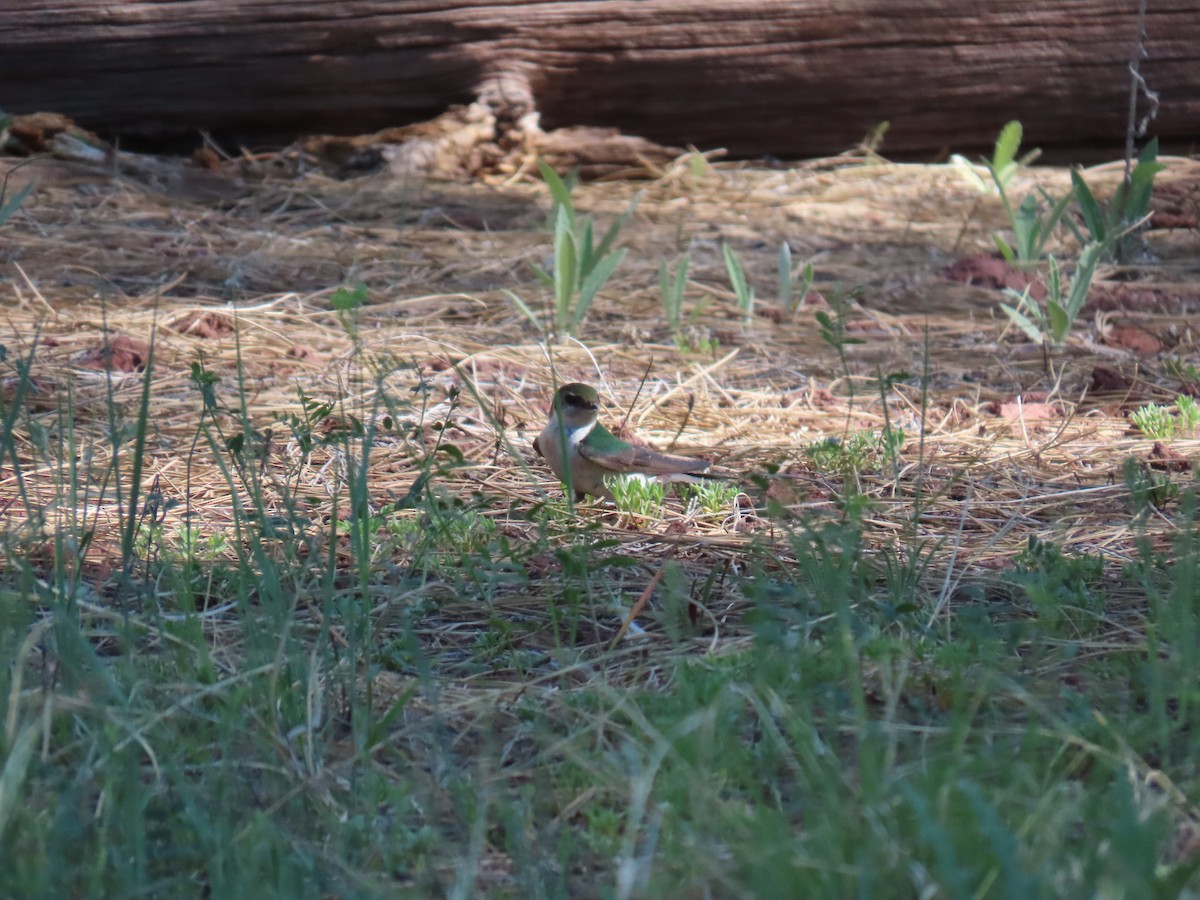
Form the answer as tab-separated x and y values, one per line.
1004	156
1025	229
559	192
591	285
1060	322
1021	321
13	203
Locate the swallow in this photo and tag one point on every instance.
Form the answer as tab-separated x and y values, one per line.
583	453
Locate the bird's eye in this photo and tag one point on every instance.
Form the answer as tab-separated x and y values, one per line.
572	399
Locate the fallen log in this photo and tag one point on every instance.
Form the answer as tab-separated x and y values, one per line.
785	77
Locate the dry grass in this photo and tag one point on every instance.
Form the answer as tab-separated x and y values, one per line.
435	258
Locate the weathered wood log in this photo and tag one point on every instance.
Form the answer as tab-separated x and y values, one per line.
784	77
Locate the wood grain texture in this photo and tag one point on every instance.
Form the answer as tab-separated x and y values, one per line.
787	77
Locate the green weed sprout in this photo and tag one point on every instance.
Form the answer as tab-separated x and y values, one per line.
1118	222
1053	323
1189	414
581	266
737	279
1154	421
786	280
637	495
1030	227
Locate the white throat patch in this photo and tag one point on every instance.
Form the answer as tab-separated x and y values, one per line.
580	433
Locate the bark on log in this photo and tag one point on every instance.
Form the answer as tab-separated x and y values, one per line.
784	77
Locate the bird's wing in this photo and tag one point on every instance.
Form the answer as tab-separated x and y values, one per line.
610	452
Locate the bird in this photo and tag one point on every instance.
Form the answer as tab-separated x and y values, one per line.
574	439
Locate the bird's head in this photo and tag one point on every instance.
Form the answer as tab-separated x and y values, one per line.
577	404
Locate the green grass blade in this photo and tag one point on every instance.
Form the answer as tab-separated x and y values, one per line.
1093	216
670	311
615	228
1058	209
566	270
1005	249
785	276
1141	184
524	309
587	253
133	516
1082	279
13	773
737	279
1055	280
681	277
671	288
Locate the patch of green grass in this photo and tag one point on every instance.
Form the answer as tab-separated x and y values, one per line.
859	451
1159	423
713	496
1031	227
1051	321
1064	589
